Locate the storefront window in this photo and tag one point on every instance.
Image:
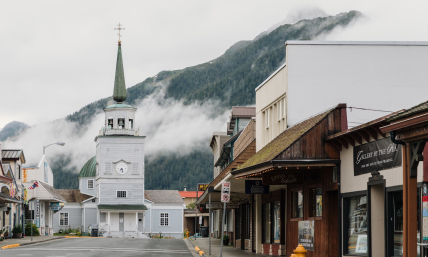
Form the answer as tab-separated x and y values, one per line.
266	223
357	225
298	204
276	223
315	197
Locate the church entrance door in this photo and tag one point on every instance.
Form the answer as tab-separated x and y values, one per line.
130	222
114	221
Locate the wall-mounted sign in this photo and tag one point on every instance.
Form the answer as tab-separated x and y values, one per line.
282	178
37	212
255	187
202	187
225	192
306	234
219	205
375	156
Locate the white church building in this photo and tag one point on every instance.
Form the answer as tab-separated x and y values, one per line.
111	184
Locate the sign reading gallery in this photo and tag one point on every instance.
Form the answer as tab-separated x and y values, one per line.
378	155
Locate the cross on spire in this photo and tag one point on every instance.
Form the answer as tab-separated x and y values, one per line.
119	28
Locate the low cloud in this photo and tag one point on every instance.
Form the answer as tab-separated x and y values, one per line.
170	127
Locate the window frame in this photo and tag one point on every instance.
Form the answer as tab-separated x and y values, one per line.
68	219
87	184
270	223
164	219
126	193
322	200
293	190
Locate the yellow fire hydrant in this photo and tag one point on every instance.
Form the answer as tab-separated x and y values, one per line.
187	234
299	252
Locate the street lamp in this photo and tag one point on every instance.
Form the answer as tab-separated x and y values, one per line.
59	143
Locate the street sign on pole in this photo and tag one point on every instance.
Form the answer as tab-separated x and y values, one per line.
225	198
225	192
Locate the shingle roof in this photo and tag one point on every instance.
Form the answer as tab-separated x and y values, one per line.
163	196
89	169
243	111
13	154
73	195
422	107
284	140
52	191
190	193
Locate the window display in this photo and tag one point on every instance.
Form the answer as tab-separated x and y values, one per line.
315	202
357	225
276	223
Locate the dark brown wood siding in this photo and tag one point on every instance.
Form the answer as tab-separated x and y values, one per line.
313	144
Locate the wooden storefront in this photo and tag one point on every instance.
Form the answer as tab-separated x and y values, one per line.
302	171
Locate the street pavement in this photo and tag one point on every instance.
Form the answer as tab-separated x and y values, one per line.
103	247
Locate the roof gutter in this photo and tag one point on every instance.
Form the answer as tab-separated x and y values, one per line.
394	140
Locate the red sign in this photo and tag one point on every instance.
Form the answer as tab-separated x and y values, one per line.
424	198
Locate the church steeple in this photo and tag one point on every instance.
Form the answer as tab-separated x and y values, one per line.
119	92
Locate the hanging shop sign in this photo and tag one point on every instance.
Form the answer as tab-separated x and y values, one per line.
37	213
425	213
377	155
255	187
219	205
54	206
202	187
306	234
282	178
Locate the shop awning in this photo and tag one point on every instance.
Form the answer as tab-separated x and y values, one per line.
7	199
123	207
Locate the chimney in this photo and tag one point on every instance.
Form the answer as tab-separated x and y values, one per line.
185	188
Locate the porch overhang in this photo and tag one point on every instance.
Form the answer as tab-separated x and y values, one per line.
258	169
122	207
7	199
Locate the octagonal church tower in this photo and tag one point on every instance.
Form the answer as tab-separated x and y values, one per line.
120	166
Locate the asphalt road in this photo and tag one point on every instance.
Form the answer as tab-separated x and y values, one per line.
83	247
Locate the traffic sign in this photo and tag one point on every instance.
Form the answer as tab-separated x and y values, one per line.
225	192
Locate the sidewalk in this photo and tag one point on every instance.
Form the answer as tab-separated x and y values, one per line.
27	240
228	251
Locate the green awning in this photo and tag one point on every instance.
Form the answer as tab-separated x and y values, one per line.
123	207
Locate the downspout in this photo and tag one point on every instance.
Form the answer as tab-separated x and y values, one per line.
339	207
395	141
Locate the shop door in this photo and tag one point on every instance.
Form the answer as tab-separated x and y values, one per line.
395	224
114	221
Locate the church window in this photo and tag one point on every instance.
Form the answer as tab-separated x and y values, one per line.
164	219
131	124
110	123
121	194
93	200
121	123
90	184
63	218
135	168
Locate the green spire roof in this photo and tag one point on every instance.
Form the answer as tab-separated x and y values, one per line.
119	92
89	169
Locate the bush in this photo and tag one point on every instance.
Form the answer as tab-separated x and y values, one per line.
17	229
28	229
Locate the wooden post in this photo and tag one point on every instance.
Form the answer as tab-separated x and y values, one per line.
409	207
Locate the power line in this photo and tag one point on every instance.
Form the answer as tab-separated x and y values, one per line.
365	109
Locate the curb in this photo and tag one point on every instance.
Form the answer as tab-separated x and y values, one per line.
197	249
30	243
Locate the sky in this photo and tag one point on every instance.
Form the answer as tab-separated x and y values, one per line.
58	56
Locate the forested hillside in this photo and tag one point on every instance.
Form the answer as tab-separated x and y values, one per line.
230	79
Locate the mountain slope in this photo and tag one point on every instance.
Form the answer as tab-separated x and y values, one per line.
229	79
12	129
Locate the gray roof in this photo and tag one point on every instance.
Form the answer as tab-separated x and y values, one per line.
163	196
7	199
422	107
73	195
53	192
13	154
